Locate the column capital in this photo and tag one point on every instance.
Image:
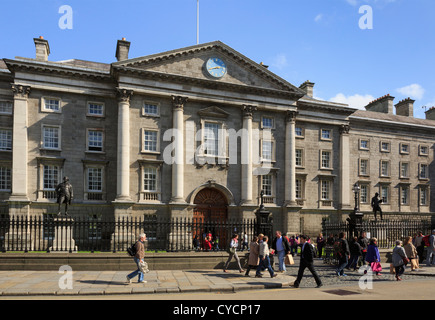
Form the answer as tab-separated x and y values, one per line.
344	129
248	111
20	91
124	95
179	101
291	116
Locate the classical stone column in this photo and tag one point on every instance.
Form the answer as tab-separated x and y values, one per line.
178	165
290	159
19	143
344	192
246	155
123	155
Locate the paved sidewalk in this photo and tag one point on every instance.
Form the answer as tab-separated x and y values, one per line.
40	283
37	283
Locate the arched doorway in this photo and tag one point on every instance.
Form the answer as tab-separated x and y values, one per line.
210	215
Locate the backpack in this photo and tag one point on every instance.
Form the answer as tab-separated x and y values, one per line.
132	250
338	248
425	241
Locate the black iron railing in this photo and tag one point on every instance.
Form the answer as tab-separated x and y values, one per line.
48	233
386	232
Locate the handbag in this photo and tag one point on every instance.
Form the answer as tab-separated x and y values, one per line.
289	260
405	261
231	250
376	266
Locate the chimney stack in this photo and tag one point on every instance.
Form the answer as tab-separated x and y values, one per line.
383	104
430	114
122	49
42	49
405	108
308	87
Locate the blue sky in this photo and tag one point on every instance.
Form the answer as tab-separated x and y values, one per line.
316	40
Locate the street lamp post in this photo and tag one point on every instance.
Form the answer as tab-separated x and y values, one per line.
355	217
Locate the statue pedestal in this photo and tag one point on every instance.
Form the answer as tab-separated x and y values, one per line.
63	236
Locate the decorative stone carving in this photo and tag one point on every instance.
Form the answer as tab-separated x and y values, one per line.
21	91
248	111
291	116
124	95
179	101
344	129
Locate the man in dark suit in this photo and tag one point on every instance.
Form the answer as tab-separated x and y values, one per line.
307	260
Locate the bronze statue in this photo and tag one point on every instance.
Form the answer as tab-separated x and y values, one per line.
376	205
64	195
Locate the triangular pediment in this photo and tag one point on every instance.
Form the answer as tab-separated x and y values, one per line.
213	112
190	63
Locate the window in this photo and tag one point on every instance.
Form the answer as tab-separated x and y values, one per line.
423	171
5	179
150	179
5	140
325	192
95	140
150	188
325	162
95	109
50	137
326	134
150	109
364	167
404	195
423	196
266	184
94	180
404	170
300	189
299	157
5	107
211	138
404	148
423	150
267	151
299	132
364	194
50	105
385	190
150	141
385	146
267	123
364	144
51	177
385	168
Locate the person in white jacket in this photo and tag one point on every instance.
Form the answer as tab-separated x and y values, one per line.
264	259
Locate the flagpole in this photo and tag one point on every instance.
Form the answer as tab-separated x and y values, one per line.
197	21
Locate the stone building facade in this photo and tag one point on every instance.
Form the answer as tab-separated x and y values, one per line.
200	131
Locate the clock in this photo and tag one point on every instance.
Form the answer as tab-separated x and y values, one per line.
216	67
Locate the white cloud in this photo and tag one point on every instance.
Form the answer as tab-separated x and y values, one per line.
356	101
414	91
318	17
280	61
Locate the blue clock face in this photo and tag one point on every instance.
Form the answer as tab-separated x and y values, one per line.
216	67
